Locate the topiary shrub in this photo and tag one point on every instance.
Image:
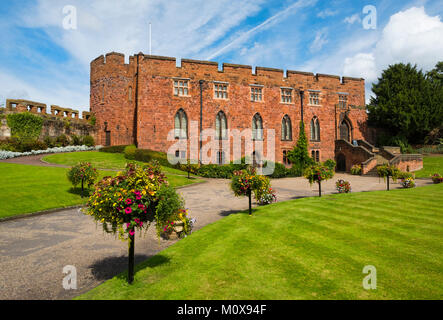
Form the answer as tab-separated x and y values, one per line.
130	152
82	173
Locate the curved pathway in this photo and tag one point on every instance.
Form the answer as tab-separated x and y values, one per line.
34	250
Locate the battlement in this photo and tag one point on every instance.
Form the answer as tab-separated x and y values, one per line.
20	105
203	66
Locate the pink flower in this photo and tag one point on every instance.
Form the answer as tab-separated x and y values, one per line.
128	210
131	232
138	197
128	201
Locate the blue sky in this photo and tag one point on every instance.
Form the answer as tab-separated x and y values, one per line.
42	61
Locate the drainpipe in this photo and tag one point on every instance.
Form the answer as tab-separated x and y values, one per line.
301	103
201	119
136	102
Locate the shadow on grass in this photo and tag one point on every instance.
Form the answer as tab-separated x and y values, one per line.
78	191
110	267
229	212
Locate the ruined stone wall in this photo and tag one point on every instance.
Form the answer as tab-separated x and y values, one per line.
55	123
113	89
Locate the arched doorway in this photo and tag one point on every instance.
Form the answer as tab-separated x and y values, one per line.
341	163
345	131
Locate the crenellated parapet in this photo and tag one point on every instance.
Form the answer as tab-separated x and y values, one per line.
38	108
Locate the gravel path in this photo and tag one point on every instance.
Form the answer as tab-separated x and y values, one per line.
34	250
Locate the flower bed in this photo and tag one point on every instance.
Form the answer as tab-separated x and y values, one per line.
9	154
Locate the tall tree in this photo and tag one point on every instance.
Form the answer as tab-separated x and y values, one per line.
406	103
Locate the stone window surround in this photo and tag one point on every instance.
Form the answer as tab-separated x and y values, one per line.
259	94
319	98
291	96
188	87
217	83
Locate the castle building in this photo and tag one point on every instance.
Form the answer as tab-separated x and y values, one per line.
142	101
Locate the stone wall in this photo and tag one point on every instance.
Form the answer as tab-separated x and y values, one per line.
59	121
408	162
115	88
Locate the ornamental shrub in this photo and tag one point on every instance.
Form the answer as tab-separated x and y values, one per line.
62	141
113	149
88	141
343	186
280	170
247	182
387	171
82	173
76	140
331	164
132	201
356	170
318	173
130	152
299	156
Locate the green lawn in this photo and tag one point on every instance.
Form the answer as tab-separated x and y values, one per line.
100	160
431	165
26	189
311	248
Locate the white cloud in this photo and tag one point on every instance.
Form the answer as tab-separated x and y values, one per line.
319	41
241	38
362	65
327	13
411	36
352	19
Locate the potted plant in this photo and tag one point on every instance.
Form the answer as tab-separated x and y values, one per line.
343	186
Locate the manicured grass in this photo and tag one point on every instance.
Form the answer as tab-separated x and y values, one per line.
311	248
100	160
116	161
431	165
26	189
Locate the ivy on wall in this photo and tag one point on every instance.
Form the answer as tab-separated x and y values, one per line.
25	125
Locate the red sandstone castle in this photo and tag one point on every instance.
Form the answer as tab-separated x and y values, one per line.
141	102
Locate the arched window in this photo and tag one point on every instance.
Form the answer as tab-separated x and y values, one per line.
286	129
221	126
345	131
257	127
315	129
181	125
